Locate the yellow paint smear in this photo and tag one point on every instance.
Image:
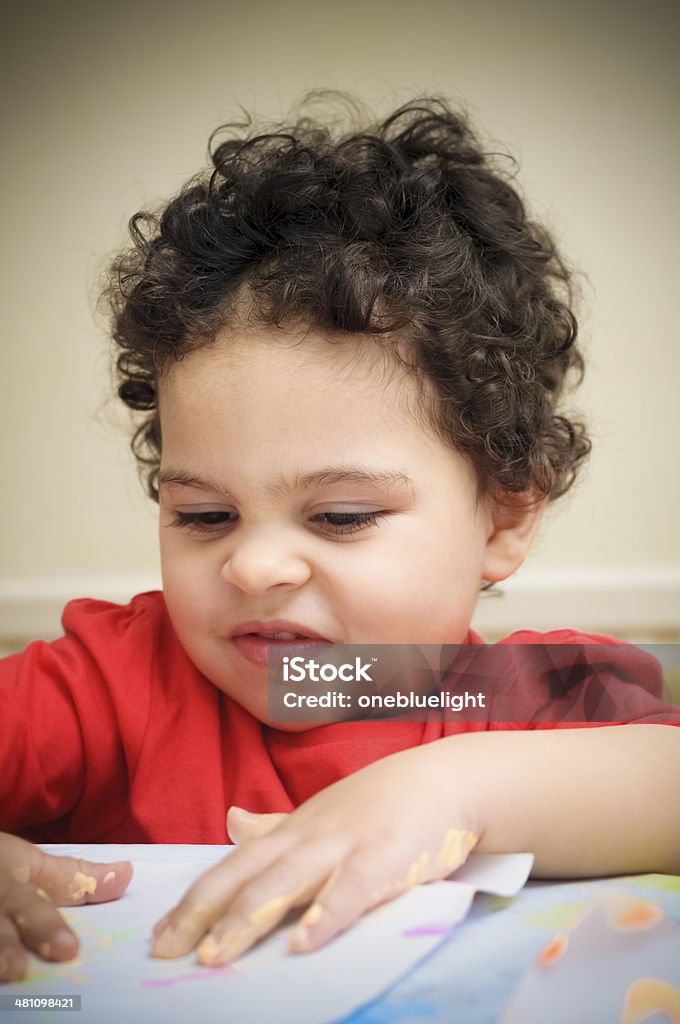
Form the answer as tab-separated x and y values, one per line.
109	876
230	945
44	949
270	913
313	915
648	997
299	937
209	951
43	895
20	920
455	848
418	872
22	873
82	885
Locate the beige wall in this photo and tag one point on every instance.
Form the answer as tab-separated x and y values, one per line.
109	106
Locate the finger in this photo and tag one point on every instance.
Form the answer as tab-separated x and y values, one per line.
64	879
348	893
68	881
261	905
207	900
243	825
12	953
29	920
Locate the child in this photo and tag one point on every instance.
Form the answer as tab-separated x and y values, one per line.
349	352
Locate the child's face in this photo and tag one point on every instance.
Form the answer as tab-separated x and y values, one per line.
328	504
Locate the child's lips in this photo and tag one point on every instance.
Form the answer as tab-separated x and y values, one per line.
255	647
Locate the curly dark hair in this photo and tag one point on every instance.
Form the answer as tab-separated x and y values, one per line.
402	228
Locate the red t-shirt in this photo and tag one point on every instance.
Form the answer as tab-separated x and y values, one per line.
111	734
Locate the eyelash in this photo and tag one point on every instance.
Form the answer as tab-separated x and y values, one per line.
354	520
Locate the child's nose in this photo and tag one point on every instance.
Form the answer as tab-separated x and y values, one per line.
262	562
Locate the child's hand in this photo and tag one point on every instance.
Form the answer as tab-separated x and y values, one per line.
32	885
360	842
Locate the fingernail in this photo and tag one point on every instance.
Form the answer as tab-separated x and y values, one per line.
160	925
63	942
164	943
12	966
299	939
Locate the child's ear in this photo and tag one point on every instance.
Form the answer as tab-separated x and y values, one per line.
513	528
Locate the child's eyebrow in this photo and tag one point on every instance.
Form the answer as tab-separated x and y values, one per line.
319	478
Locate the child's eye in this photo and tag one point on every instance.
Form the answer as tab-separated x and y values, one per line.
338	523
203	522
347	522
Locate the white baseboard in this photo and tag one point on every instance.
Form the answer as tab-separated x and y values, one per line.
641	604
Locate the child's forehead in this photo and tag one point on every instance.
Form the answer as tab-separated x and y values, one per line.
301	354
326	390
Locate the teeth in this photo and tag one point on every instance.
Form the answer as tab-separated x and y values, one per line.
280	636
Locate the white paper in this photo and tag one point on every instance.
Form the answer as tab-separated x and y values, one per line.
119	980
619	960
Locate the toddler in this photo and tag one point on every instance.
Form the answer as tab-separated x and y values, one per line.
348	352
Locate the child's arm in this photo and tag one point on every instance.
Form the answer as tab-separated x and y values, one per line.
32	885
586	802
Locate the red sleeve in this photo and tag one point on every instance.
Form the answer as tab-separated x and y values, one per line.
606	681
69	735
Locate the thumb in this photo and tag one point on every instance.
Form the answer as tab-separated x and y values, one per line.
243	825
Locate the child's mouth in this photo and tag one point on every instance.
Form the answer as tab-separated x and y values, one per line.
255	646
